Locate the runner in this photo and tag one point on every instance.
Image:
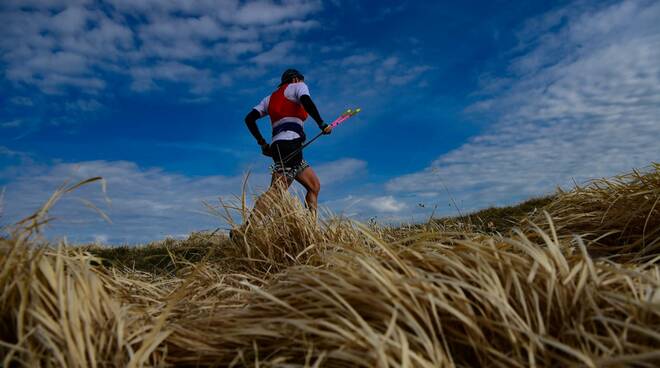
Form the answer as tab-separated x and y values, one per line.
288	107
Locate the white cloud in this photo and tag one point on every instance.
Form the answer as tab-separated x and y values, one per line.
360	59
16	123
386	204
186	7
366	78
388	209
59	45
145	203
581	101
101	238
202	28
278	54
407	75
385	12
4	151
22	101
269	12
69	21
147	78
54	51
232	51
85	105
58	62
294	26
194	49
43	4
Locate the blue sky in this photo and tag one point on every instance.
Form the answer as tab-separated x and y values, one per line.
478	102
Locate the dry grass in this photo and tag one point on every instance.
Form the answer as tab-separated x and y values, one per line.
618	217
580	288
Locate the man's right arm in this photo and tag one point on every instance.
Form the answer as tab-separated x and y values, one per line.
311	109
302	93
251	122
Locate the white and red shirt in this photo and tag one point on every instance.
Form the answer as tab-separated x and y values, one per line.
280	114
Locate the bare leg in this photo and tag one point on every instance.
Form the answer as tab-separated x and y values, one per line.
308	179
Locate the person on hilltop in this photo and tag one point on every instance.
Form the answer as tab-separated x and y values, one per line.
288	108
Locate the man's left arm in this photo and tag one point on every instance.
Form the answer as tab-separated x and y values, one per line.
251	122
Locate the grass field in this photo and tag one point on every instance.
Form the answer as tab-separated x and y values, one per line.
161	256
571	279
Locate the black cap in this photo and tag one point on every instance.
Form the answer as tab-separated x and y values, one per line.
289	74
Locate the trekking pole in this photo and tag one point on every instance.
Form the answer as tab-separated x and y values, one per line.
342	118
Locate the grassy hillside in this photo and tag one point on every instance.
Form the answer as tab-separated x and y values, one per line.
576	281
500	219
163	256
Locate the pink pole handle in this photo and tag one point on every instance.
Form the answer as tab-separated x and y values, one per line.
340	120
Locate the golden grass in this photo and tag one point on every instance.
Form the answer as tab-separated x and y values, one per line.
617	217
578	285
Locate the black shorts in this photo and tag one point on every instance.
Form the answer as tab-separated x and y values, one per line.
294	165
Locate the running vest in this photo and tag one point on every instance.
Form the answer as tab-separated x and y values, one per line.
279	107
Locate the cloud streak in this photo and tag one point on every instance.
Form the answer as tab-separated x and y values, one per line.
578	102
145	203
